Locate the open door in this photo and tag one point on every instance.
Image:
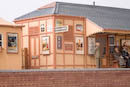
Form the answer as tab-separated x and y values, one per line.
102	39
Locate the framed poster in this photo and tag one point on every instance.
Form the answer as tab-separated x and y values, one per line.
79	43
12	42
59	42
79	27
45	44
68	46
59	22
125	42
91	45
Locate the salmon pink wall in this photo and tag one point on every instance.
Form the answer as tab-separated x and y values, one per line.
8	60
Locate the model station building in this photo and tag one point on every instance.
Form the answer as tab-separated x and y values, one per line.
63	35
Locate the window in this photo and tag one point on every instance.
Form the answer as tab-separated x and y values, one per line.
42	28
111	43
1	40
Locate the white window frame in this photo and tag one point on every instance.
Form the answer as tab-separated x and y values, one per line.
2	39
42	26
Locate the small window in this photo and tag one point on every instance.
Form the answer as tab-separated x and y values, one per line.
42	28
111	40
111	43
1	40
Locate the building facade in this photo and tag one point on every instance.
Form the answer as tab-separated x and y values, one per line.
63	35
10	45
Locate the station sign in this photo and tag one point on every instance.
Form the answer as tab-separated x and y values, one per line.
62	29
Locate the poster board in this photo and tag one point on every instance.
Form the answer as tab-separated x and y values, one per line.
91	45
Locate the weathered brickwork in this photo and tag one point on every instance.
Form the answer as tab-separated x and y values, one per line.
67	78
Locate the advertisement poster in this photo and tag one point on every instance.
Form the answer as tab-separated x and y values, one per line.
59	22
12	43
79	27
125	42
79	45
45	42
91	45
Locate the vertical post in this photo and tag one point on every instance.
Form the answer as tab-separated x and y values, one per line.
26	58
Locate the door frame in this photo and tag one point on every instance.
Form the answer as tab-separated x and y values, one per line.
30	54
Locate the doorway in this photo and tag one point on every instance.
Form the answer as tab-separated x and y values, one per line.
102	39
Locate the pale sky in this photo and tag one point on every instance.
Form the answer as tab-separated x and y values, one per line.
10	9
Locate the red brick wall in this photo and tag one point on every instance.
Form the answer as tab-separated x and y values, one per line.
67	78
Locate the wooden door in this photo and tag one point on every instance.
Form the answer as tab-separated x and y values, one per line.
34	52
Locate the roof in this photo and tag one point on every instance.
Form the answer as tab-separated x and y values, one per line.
105	17
6	23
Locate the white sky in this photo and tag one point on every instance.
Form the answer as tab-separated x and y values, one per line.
10	9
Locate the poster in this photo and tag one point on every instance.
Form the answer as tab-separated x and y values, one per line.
59	42
45	42
91	45
59	22
125	42
79	27
12	43
79	45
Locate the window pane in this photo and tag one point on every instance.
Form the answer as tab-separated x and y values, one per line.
111	40
111	49
42	28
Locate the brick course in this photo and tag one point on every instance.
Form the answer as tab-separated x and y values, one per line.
65	78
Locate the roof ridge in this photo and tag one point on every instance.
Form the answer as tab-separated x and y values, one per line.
92	5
